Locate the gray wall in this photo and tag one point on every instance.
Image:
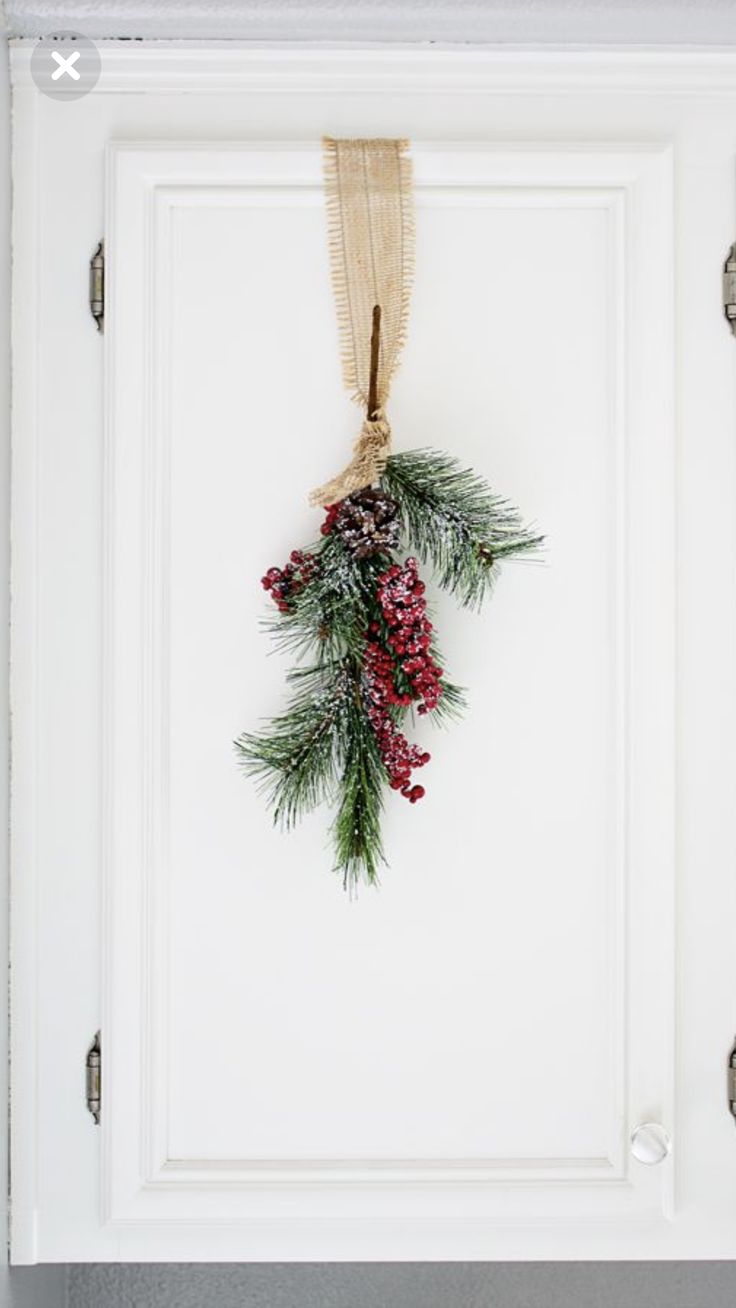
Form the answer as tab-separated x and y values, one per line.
407	1285
535	22
664	1285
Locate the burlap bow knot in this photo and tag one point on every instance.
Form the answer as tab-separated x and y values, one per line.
370	452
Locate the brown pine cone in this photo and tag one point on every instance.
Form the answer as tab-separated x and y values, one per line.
368	522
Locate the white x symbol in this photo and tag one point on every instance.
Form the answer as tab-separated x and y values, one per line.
65	66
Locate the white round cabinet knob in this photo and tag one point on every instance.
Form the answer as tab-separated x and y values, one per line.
650	1143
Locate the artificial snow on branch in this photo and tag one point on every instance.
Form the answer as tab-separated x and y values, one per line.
354	605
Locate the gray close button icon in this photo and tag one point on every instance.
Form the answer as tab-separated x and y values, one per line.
65	65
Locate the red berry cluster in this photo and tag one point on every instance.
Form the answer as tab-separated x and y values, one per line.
399	757
329	522
285	583
401	597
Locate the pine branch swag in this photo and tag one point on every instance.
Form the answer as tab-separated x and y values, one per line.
352	609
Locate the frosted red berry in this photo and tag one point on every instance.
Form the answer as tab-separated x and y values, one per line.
400	595
285	583
329	522
401	647
398	756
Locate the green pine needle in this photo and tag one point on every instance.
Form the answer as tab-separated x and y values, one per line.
356	830
451	704
295	759
454	522
323	749
329	616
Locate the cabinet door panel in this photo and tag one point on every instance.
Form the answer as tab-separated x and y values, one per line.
497	1016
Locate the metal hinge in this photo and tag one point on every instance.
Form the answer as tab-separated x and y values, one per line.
731	1081
93	1067
729	288
97	286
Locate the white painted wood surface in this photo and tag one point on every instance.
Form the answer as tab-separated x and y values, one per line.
450	1068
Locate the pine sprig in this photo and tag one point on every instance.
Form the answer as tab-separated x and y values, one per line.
331	744
454	522
329	616
450	706
296	757
356	831
322	746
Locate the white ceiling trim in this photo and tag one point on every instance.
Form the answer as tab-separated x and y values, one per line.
246	69
495	22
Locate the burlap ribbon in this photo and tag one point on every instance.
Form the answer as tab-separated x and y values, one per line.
371	240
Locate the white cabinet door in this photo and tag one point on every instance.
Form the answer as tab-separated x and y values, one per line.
452	1065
